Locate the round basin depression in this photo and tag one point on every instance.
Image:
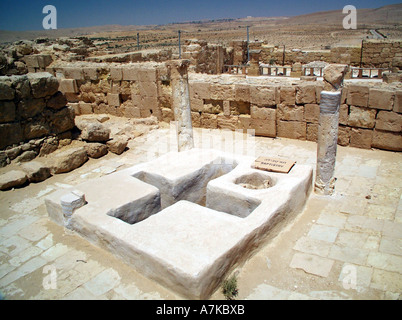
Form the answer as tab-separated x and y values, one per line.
255	181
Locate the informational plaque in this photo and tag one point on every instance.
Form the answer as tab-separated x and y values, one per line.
273	164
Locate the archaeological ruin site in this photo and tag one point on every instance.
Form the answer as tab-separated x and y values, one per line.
157	172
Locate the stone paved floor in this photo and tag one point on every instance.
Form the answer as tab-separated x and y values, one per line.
347	246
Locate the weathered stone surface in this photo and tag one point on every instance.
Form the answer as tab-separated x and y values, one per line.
344	136
36	129
292	129
22	86
49	145
288	95
264	127
343	114
263	113
4	159
181	102
116	73
68	160
389	121
32	107
7	92
68	86
381	99
242	92
113	99
26	156
311	112
94	131
11	179
387	140
361	138
96	150
358	95
7	111
43	84
333	76
290	113
13	152
398	102
57	101
362	117
117	145
312	130
305	93
263	96
62	120
36	171
228	122
10	133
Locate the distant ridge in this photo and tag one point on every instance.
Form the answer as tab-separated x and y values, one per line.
391	14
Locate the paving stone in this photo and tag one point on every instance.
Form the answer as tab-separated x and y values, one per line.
267	292
54	252
80	293
353	205
387	281
28	267
324	233
380	212
311	245
391	245
14	245
34	231
385	261
392	229
131	292
367	171
363	224
25	255
46	243
103	282
352	239
372	242
348	254
355	277
18	222
332	219
312	264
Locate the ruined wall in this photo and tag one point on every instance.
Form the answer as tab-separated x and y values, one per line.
136	90
369	116
31	108
376	54
370	113
207	58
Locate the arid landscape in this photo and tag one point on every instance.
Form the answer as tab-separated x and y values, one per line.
312	31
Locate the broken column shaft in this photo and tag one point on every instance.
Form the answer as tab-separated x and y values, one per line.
328	129
327	142
181	103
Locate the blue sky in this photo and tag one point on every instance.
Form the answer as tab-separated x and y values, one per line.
27	14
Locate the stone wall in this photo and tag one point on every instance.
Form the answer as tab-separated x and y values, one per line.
370	116
376	54
370	112
31	110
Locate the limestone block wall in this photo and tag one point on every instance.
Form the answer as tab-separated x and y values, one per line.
370	112
376	54
134	90
31	107
370	116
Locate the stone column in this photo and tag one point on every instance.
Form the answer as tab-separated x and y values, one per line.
181	103
328	129
327	142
